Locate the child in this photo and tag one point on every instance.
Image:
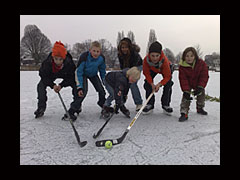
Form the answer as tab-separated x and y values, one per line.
193	74
89	64
117	84
59	64
129	57
157	63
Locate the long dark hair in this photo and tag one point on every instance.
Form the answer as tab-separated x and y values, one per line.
190	49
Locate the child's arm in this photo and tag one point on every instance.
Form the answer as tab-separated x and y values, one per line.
146	72
166	72
183	80
203	79
79	75
69	78
44	73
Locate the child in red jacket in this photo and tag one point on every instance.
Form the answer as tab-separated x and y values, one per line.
157	63
193	74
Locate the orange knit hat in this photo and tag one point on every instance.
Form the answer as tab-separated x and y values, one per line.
59	50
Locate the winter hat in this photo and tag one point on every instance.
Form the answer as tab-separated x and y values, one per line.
155	47
59	50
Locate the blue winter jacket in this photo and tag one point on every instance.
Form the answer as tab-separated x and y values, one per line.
89	67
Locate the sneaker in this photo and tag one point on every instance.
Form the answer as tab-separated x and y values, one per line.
148	109
201	111
183	117
39	112
138	107
167	109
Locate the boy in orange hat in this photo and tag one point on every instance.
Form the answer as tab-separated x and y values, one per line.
59	64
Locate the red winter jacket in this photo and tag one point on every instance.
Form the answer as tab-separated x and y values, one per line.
164	69
191	77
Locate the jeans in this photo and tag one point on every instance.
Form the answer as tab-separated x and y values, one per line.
136	93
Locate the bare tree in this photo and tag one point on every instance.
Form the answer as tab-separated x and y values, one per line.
35	44
169	55
152	38
131	36
178	57
199	52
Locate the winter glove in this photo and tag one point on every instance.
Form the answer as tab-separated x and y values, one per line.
198	91
187	96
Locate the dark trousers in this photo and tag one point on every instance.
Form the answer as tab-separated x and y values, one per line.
42	93
96	82
166	95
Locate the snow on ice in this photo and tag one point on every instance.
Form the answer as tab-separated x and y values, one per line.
154	139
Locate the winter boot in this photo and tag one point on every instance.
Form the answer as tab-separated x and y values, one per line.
183	117
39	112
78	111
125	111
201	111
148	109
71	114
167	110
106	112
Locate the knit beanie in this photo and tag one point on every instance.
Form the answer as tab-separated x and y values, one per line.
59	50
155	47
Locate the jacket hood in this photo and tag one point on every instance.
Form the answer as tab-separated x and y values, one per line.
185	64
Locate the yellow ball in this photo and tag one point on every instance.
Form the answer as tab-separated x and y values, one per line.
108	144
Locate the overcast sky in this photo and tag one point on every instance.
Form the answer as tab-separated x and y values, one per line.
175	32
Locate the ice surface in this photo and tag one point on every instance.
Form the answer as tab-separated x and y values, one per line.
154	139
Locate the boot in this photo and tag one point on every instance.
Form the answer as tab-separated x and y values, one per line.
183	117
78	111
125	111
39	112
71	114
201	111
167	109
106	111
138	107
148	109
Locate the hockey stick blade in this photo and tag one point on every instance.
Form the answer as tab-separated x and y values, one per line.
114	141
119	140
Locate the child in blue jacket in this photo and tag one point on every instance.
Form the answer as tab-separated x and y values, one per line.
89	64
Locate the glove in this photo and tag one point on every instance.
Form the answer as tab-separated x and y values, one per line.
187	96
198	91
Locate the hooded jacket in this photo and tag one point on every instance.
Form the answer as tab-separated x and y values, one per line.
134	59
193	76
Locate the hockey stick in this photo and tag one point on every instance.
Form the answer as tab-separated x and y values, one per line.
119	140
70	120
100	130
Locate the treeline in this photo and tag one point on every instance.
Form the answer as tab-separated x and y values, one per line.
35	47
